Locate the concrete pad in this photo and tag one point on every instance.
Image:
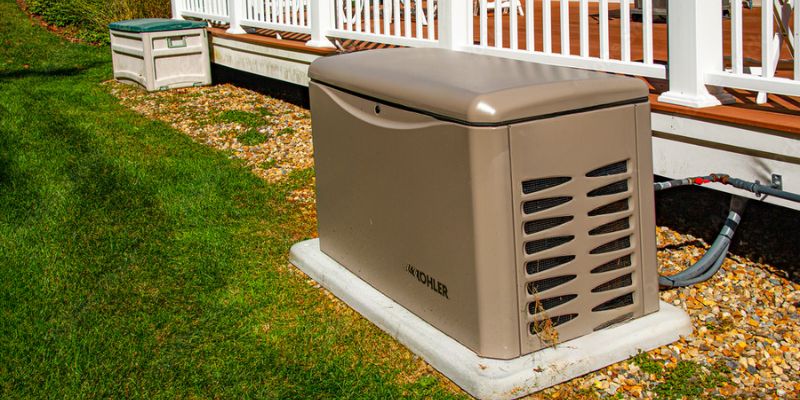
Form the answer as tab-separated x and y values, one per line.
487	378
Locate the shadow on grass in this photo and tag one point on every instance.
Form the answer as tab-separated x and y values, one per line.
5	171
45	72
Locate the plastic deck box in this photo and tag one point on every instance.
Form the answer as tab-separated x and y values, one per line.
161	54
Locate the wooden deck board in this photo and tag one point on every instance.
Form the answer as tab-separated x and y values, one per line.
264	39
782	113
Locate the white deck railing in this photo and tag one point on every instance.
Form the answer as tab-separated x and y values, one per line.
282	15
525	10
211	10
695	35
396	22
776	33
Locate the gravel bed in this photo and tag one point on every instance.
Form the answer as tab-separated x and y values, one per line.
746	342
746	329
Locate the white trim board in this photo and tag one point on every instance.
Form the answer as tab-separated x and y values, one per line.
773	143
487	378
285	65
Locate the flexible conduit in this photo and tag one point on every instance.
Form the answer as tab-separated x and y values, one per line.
711	262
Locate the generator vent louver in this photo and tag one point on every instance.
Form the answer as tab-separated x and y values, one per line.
619	244
559	205
612	188
615	264
549	283
539	306
537	185
617	302
534	267
538	246
539	225
616	283
534	206
615	207
619	167
542	325
616	226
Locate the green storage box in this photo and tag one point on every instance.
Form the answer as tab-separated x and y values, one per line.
155	25
161	54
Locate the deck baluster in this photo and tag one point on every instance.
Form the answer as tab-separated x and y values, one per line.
530	28
547	30
564	6
625	28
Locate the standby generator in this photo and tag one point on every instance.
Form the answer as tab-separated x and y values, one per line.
508	204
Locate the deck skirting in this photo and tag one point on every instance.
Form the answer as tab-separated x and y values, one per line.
686	146
286	65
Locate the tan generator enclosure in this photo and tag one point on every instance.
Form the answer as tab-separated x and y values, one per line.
509	204
161	54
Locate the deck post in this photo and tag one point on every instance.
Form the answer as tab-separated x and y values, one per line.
176	9
320	21
454	16
236	12
694	44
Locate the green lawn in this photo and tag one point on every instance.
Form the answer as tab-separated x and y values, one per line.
137	263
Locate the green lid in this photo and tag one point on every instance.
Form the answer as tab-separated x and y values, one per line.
155	25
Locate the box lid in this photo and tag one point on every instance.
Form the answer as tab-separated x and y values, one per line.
472	88
155	25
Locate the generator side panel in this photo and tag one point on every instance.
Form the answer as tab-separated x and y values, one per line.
495	258
575	185
647	211
396	206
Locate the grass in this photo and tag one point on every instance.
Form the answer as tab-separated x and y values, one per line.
686	380
689	380
244	118
268	164
137	263
252	137
647	363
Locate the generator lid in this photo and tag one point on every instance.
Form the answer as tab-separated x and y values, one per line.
155	25
471	88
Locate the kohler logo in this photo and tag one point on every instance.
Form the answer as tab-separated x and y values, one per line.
428	281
